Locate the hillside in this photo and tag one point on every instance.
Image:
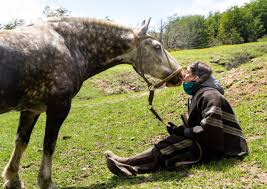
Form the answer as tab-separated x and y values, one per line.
110	113
123	79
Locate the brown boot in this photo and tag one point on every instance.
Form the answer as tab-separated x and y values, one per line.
120	169
110	154
139	159
147	168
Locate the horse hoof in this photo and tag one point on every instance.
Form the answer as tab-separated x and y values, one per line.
13	185
51	185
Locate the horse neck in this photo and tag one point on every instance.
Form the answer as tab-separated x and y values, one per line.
96	44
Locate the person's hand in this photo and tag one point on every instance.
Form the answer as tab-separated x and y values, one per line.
173	129
170	128
179	130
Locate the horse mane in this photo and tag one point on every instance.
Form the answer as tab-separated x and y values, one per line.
88	21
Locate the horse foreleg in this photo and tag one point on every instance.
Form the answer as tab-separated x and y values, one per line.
26	124
56	115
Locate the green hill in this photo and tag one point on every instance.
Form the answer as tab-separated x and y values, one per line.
110	113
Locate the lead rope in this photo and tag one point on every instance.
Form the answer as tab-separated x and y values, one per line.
152	93
151	89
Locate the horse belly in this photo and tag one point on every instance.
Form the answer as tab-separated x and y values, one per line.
16	91
10	100
6	104
8	87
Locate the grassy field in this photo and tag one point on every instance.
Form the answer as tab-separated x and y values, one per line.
110	113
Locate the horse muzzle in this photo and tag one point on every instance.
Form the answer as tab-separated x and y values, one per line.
175	79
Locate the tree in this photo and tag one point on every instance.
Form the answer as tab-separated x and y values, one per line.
186	32
61	11
48	12
170	39
231	26
258	11
213	22
238	25
158	31
13	24
161	28
254	26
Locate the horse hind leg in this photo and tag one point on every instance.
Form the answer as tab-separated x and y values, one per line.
56	114
10	174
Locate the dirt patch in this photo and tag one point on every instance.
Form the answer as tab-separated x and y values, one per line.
157	138
239	83
253	173
257	137
118	83
238	59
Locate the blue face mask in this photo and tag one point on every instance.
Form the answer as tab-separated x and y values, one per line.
188	87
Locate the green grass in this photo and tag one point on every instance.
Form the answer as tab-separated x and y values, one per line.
223	53
122	123
263	39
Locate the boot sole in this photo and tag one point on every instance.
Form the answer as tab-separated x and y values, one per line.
120	169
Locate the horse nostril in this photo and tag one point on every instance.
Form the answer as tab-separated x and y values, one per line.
181	76
175	80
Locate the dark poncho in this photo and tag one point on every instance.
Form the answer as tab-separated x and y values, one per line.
213	123
213	131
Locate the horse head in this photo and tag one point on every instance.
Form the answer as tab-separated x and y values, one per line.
149	57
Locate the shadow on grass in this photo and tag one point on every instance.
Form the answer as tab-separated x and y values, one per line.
175	175
115	181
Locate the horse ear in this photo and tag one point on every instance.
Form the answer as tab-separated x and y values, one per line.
142	31
143	23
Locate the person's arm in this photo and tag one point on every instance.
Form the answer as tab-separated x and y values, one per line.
209	107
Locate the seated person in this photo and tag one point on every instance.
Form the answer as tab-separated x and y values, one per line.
211	132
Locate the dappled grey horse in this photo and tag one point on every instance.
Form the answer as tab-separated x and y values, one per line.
43	66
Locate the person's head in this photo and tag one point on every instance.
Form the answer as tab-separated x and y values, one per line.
197	72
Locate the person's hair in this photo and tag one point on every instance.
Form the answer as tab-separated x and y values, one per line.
202	70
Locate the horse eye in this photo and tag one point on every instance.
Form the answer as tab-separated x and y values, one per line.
157	46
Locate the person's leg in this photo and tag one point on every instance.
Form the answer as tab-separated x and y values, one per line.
145	162
176	151
169	153
121	169
142	158
147	168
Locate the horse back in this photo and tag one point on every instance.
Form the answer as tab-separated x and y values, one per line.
35	66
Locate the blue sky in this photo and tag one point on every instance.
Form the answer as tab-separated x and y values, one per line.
128	12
